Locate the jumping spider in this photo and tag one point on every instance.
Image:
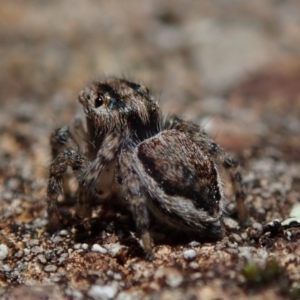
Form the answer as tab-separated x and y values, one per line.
167	168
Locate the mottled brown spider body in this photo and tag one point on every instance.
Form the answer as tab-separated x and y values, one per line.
168	168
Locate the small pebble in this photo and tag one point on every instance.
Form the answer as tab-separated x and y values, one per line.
172	276
102	292
26	251
19	254
232	250
49	254
295	212
288	235
38	222
257	226
56	279
42	259
77	246
194	244
289	221
231	245
61	260
50	268
64	255
57	239
189	254
117	276
63	232
84	246
194	265
230	223
33	242
114	249
36	249
6	268
59	250
76	295
237	238
98	248
244	236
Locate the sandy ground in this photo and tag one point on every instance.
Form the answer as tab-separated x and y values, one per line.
232	67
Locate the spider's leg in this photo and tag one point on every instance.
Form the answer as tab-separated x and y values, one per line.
220	157
233	168
60	140
105	155
137	201
58	169
83	207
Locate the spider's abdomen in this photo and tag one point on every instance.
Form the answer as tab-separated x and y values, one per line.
183	181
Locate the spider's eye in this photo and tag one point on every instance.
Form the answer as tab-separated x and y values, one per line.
112	103
98	102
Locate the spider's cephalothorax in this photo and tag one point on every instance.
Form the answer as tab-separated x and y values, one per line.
119	106
168	169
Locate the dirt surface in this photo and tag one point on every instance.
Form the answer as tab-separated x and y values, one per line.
233	67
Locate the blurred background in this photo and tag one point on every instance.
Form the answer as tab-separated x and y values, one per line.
233	66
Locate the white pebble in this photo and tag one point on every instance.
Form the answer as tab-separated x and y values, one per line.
6	268
98	248
50	268
288	235
194	265
63	232
117	276
36	249
189	254
173	278
42	259
98	292
84	246
3	251
33	242
26	251
77	246
114	249
19	254
289	221
295	212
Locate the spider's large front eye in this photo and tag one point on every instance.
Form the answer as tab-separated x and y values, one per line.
98	102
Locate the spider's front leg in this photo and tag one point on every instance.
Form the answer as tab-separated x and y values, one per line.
220	157
58	168
107	152
98	176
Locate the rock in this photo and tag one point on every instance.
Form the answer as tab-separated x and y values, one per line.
189	254
3	251
106	292
98	248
